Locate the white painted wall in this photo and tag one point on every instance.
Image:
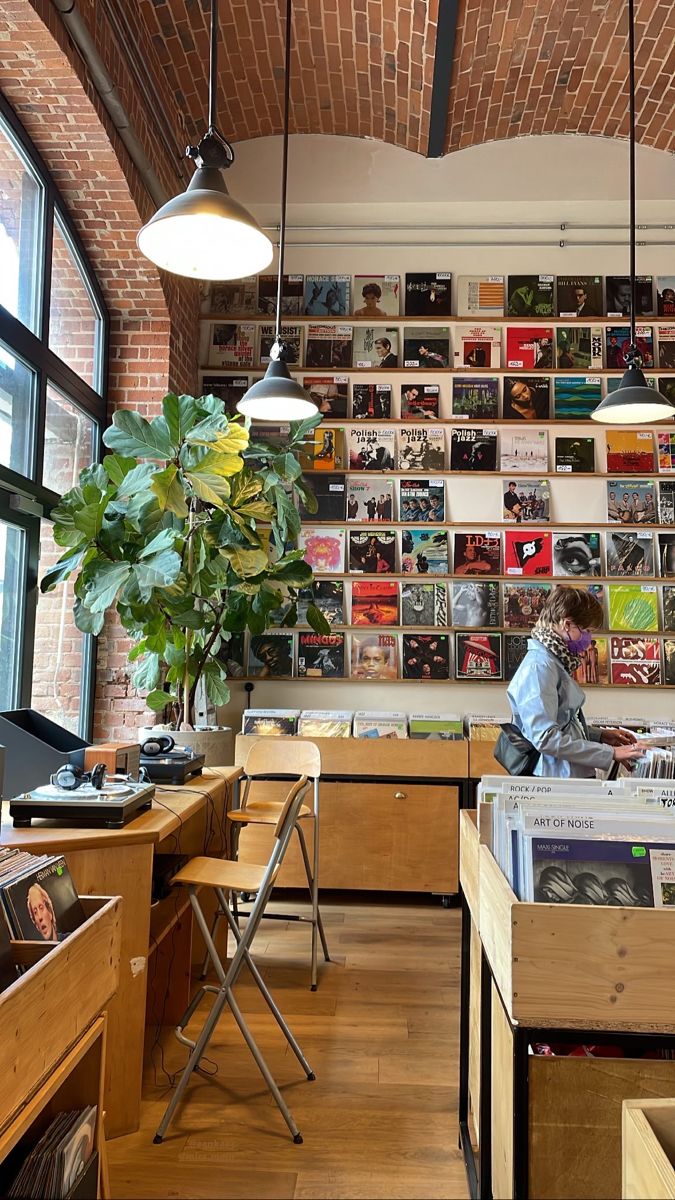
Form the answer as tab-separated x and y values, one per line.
523	184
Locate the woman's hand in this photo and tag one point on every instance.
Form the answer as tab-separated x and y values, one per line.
618	737
625	753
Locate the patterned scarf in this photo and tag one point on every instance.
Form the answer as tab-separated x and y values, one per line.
548	637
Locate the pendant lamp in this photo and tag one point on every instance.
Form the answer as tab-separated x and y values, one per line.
633	402
278	397
203	233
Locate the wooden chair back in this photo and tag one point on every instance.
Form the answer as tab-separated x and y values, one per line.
283	756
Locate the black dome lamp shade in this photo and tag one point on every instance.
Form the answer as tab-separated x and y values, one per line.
633	402
203	233
278	397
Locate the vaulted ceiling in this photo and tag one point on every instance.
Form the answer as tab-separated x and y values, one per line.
380	68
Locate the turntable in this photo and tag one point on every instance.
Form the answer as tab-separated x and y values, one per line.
111	805
163	762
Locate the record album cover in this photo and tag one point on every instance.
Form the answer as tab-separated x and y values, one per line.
422	500
420	401
576	554
630	450
370	499
528	552
292	337
530	347
477	553
475	604
530	296
374	656
480	296
618	342
377	296
292	294
424	604
43	905
666	447
634	660
515	649
375	346
473	449
478	346
666	341
325	594
524	450
425	656
371	400
526	500
372	552
579	347
580	296
666	511
619	296
666	546
428	294
526	397
371	448
478	656
228	388
575	455
426	347
631	501
330	493
327	295
325	451
630	552
594	666
576	396
475	397
421	448
329	346
330	393
633	607
665	295
668	598
523	604
232	345
231	296
374	602
324	548
321	655
424	551
270	655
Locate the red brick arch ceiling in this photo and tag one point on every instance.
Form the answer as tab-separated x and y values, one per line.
365	68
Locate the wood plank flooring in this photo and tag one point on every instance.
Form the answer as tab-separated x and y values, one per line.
381	1034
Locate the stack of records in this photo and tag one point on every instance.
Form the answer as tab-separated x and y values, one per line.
55	1164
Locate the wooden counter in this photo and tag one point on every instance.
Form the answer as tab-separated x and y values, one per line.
118	862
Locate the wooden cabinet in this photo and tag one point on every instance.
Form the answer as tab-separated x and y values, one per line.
384	836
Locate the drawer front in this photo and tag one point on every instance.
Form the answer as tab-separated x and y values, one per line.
374	837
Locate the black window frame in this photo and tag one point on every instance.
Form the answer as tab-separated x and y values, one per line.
24	501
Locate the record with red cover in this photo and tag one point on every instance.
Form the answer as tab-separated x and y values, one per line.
635	660
530	347
374	602
528	552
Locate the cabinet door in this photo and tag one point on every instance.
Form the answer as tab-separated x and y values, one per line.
375	837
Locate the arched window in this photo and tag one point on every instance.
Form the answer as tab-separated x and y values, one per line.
53	347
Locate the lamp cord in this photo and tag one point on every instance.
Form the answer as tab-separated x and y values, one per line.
631	134
213	67
284	166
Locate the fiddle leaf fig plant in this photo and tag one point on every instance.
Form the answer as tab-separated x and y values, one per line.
183	529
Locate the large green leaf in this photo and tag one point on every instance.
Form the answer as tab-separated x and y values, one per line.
116	467
294	574
212	489
316	620
61	570
158	700
157	571
164	540
137	480
104	582
130	433
147	674
169	492
247	563
216	688
87	621
180	413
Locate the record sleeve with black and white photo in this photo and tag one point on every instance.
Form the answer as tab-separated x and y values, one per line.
370	498
426	656
372	448
424	604
228	388
631	501
618	288
292	292
579	296
330	393
375	346
630	552
515	649
420	401
426	346
422	500
327	296
371	400
428	294
292	337
475	604
236	296
321	655
576	554
329	346
421	448
666	502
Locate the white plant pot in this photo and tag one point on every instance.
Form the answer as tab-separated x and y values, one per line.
217	745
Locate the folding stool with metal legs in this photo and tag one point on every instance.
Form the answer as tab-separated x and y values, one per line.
266	758
223	875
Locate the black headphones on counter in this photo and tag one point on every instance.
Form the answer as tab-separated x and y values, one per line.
162	743
70	777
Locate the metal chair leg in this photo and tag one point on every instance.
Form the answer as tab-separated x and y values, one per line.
317	923
207	957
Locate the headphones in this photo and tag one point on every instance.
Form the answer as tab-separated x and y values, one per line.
70	777
162	743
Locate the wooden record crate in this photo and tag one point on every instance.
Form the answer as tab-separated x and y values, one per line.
648	1150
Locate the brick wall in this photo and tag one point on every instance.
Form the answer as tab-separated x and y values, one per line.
153	318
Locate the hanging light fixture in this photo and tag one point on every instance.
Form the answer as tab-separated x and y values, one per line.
203	233
278	397
633	402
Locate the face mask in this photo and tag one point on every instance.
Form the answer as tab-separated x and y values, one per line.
580	644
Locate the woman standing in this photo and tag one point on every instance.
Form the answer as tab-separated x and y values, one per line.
547	702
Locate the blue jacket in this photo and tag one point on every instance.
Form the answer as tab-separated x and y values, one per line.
546	704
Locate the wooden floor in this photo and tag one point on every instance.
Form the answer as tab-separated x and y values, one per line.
381	1034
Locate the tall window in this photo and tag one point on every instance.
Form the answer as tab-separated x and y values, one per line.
53	342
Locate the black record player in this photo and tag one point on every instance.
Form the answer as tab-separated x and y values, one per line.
172	766
111	804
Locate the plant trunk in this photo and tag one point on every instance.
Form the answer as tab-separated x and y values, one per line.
186	705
